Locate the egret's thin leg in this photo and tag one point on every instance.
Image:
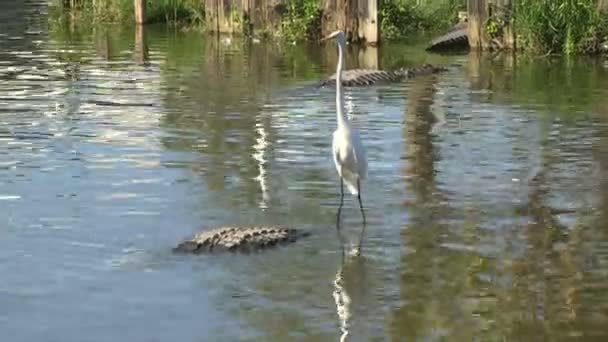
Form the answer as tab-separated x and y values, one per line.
362	214
360	203
341	202
338	216
342	251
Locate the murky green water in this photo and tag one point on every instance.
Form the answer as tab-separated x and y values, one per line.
487	199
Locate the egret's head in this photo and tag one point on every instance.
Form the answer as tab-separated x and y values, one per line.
339	35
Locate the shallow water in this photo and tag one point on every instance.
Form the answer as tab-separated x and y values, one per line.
486	199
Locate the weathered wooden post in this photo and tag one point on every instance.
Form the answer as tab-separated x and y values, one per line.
248	9
504	10
478	15
357	18
334	17
368	21
228	16
482	13
211	12
140	11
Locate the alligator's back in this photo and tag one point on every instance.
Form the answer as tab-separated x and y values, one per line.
239	239
363	77
456	37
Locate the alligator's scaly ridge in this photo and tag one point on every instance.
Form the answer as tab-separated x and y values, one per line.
363	77
456	37
239	239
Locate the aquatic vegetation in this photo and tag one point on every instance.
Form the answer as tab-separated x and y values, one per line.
301	20
560	26
541	26
400	18
185	12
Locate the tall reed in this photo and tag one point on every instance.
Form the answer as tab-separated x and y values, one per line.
95	11
559	26
400	18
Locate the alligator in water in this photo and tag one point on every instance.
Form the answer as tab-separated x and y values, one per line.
456	38
239	239
363	77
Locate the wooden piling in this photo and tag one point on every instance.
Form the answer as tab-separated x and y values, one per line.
477	17
357	18
480	14
334	17
211	15
238	16
140	11
503	10
368	27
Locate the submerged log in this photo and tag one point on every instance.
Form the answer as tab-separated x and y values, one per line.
239	239
363	77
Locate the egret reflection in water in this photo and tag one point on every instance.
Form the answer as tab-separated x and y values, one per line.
351	287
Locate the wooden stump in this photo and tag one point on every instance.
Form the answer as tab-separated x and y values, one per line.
502	9
368	21
357	18
477	16
140	11
480	14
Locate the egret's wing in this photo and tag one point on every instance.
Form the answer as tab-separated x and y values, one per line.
336	152
335	147
359	154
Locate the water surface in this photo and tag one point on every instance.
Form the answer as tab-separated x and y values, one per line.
487	198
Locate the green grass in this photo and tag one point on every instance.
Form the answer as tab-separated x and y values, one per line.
183	12
403	18
560	26
301	20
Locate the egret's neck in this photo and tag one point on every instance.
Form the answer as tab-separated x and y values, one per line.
342	119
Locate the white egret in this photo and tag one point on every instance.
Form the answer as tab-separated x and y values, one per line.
348	151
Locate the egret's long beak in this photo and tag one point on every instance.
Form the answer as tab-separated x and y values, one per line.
325	38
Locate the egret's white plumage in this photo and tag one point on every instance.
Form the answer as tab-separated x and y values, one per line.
348	151
349	157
